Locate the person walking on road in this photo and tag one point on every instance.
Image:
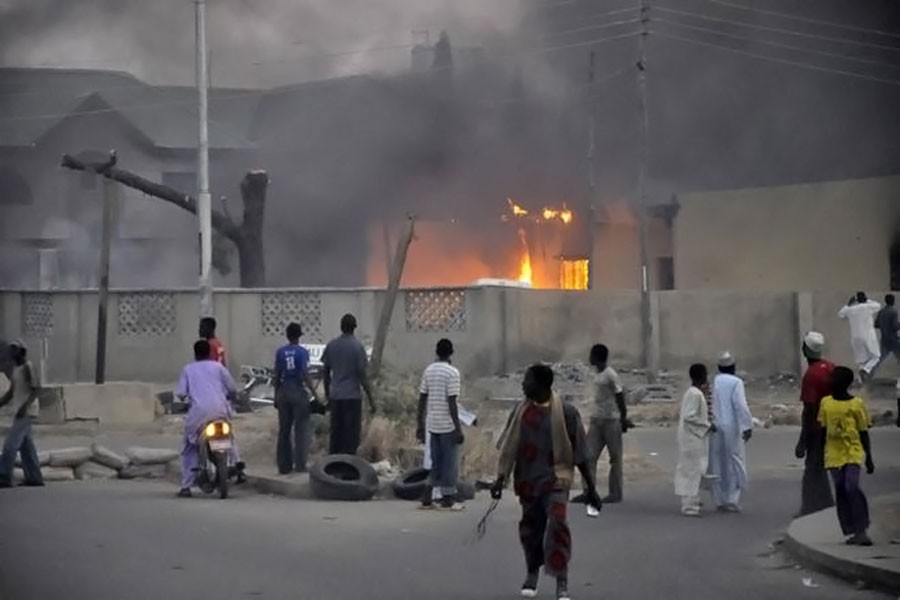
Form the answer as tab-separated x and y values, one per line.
541	446
23	395
860	315
816	489
438	416
694	427
887	324
345	366
608	421
293	385
847	446
734	428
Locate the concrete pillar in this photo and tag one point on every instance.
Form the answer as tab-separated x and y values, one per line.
804	325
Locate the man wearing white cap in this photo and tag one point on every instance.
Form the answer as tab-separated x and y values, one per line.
816	489
727	456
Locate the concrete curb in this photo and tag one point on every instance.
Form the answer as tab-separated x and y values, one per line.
853	570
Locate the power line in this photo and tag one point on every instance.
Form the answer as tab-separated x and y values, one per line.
778	30
778	60
778	44
314	84
573	90
591	28
805	19
585	18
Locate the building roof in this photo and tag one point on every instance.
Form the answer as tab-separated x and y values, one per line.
34	101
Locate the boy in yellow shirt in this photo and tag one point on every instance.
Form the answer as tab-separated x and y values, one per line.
846	423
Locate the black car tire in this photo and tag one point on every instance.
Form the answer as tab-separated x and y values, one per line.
343	477
411	484
465	490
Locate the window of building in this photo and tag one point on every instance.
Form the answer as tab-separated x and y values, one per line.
666	270
573	273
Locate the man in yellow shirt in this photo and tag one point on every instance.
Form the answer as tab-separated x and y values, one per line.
846	423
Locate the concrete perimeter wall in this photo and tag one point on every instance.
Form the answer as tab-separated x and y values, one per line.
495	329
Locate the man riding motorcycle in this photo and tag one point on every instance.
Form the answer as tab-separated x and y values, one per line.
206	385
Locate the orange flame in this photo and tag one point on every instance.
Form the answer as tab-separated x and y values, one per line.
563	214
517	210
525	273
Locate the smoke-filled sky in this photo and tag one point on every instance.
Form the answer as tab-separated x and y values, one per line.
738	96
251	42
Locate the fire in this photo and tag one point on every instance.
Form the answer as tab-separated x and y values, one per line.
563	214
517	210
571	273
525	273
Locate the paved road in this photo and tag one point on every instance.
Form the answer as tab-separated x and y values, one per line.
134	540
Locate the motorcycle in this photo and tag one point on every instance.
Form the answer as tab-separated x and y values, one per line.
215	442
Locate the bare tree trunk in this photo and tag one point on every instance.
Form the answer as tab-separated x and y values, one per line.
250	248
390	297
247	236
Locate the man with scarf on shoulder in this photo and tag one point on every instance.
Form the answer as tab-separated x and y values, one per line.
541	446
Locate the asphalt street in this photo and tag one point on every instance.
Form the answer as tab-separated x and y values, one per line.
116	540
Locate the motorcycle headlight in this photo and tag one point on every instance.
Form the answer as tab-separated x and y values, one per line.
226	428
211	430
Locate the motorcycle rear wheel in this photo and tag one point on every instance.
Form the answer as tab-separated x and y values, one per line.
221	474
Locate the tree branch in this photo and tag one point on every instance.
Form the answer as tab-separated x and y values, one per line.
220	222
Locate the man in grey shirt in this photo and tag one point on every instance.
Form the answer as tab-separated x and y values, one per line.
609	419
886	323
345	376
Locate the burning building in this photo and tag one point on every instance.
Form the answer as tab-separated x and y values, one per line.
543	247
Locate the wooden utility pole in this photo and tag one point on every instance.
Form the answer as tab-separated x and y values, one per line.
390	298
109	197
642	185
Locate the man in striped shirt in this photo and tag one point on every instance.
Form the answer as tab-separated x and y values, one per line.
439	415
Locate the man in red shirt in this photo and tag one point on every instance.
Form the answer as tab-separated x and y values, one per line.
816	494
208	333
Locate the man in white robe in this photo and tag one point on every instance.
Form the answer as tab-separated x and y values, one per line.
693	443
860	315
734	423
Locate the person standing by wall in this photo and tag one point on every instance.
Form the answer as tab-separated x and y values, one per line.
846	423
345	367
23	394
734	428
860	314
694	428
438	416
208	332
291	380
816	490
608	421
541	446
